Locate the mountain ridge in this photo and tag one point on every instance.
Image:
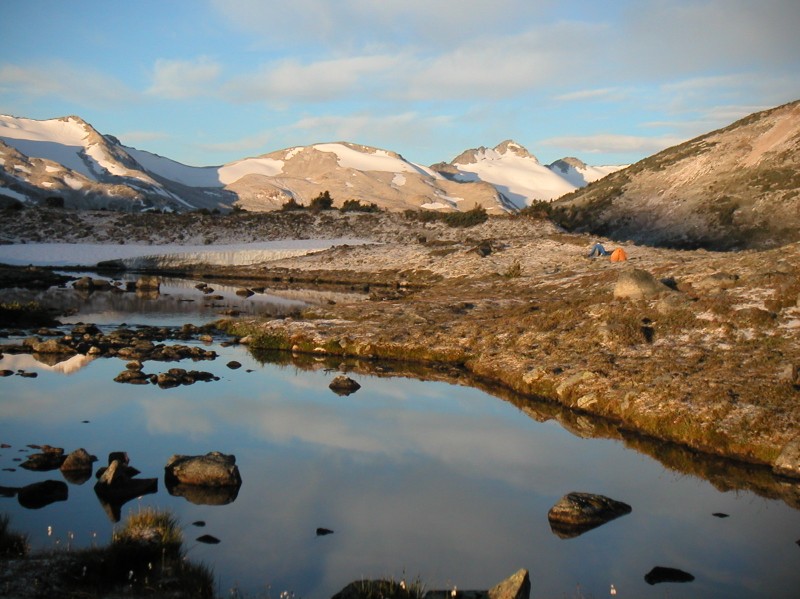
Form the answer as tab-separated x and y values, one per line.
92	170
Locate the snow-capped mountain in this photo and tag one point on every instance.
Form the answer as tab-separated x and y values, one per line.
67	160
519	175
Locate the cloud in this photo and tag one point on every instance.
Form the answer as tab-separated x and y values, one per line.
409	128
360	24
63	81
670	37
613	144
140	136
608	93
256	142
320	81
181	79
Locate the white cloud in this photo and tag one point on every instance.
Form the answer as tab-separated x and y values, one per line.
613	144
251	143
608	93
181	79
140	136
63	81
319	81
361	24
371	129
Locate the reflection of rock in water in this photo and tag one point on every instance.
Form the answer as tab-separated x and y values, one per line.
577	513
38	495
116	485
203	495
661	574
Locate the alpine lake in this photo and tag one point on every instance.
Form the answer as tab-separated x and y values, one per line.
421	474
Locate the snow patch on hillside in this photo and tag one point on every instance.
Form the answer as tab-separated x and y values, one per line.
89	254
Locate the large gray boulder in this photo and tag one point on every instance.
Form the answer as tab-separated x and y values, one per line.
577	513
214	469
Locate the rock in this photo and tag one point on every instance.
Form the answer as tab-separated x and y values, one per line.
50	458
233	365
51	346
344	385
78	460
790	373
148	283
38	495
661	574
208	539
214	469
635	283
577	513
367	589
132	377
716	282
178	376
244	292
84	283
788	461
516	586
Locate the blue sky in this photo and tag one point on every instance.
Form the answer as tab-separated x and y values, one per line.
206	82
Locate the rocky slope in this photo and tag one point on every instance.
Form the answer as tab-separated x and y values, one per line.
738	187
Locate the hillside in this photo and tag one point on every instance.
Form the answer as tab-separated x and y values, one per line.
734	188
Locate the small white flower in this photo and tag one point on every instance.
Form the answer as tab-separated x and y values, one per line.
613	590
49	531
454	592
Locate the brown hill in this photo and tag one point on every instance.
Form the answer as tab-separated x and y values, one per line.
734	188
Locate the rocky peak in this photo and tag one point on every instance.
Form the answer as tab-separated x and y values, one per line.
564	164
509	146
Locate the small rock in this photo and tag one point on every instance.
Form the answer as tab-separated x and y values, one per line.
208	539
50	458
233	365
78	460
516	586
661	574
576	513
344	385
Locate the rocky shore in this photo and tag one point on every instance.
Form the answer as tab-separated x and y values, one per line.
697	348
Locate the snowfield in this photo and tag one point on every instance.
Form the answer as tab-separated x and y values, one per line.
171	255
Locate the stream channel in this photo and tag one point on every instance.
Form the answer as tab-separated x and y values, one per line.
420	474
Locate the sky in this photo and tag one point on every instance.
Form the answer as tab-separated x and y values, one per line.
206	82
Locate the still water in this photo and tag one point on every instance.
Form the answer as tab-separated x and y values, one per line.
432	480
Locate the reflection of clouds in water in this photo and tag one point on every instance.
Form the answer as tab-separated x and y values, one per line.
176	416
416	479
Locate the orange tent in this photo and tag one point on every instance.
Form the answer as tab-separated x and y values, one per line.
618	255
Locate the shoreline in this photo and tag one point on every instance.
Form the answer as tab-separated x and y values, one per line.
709	361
